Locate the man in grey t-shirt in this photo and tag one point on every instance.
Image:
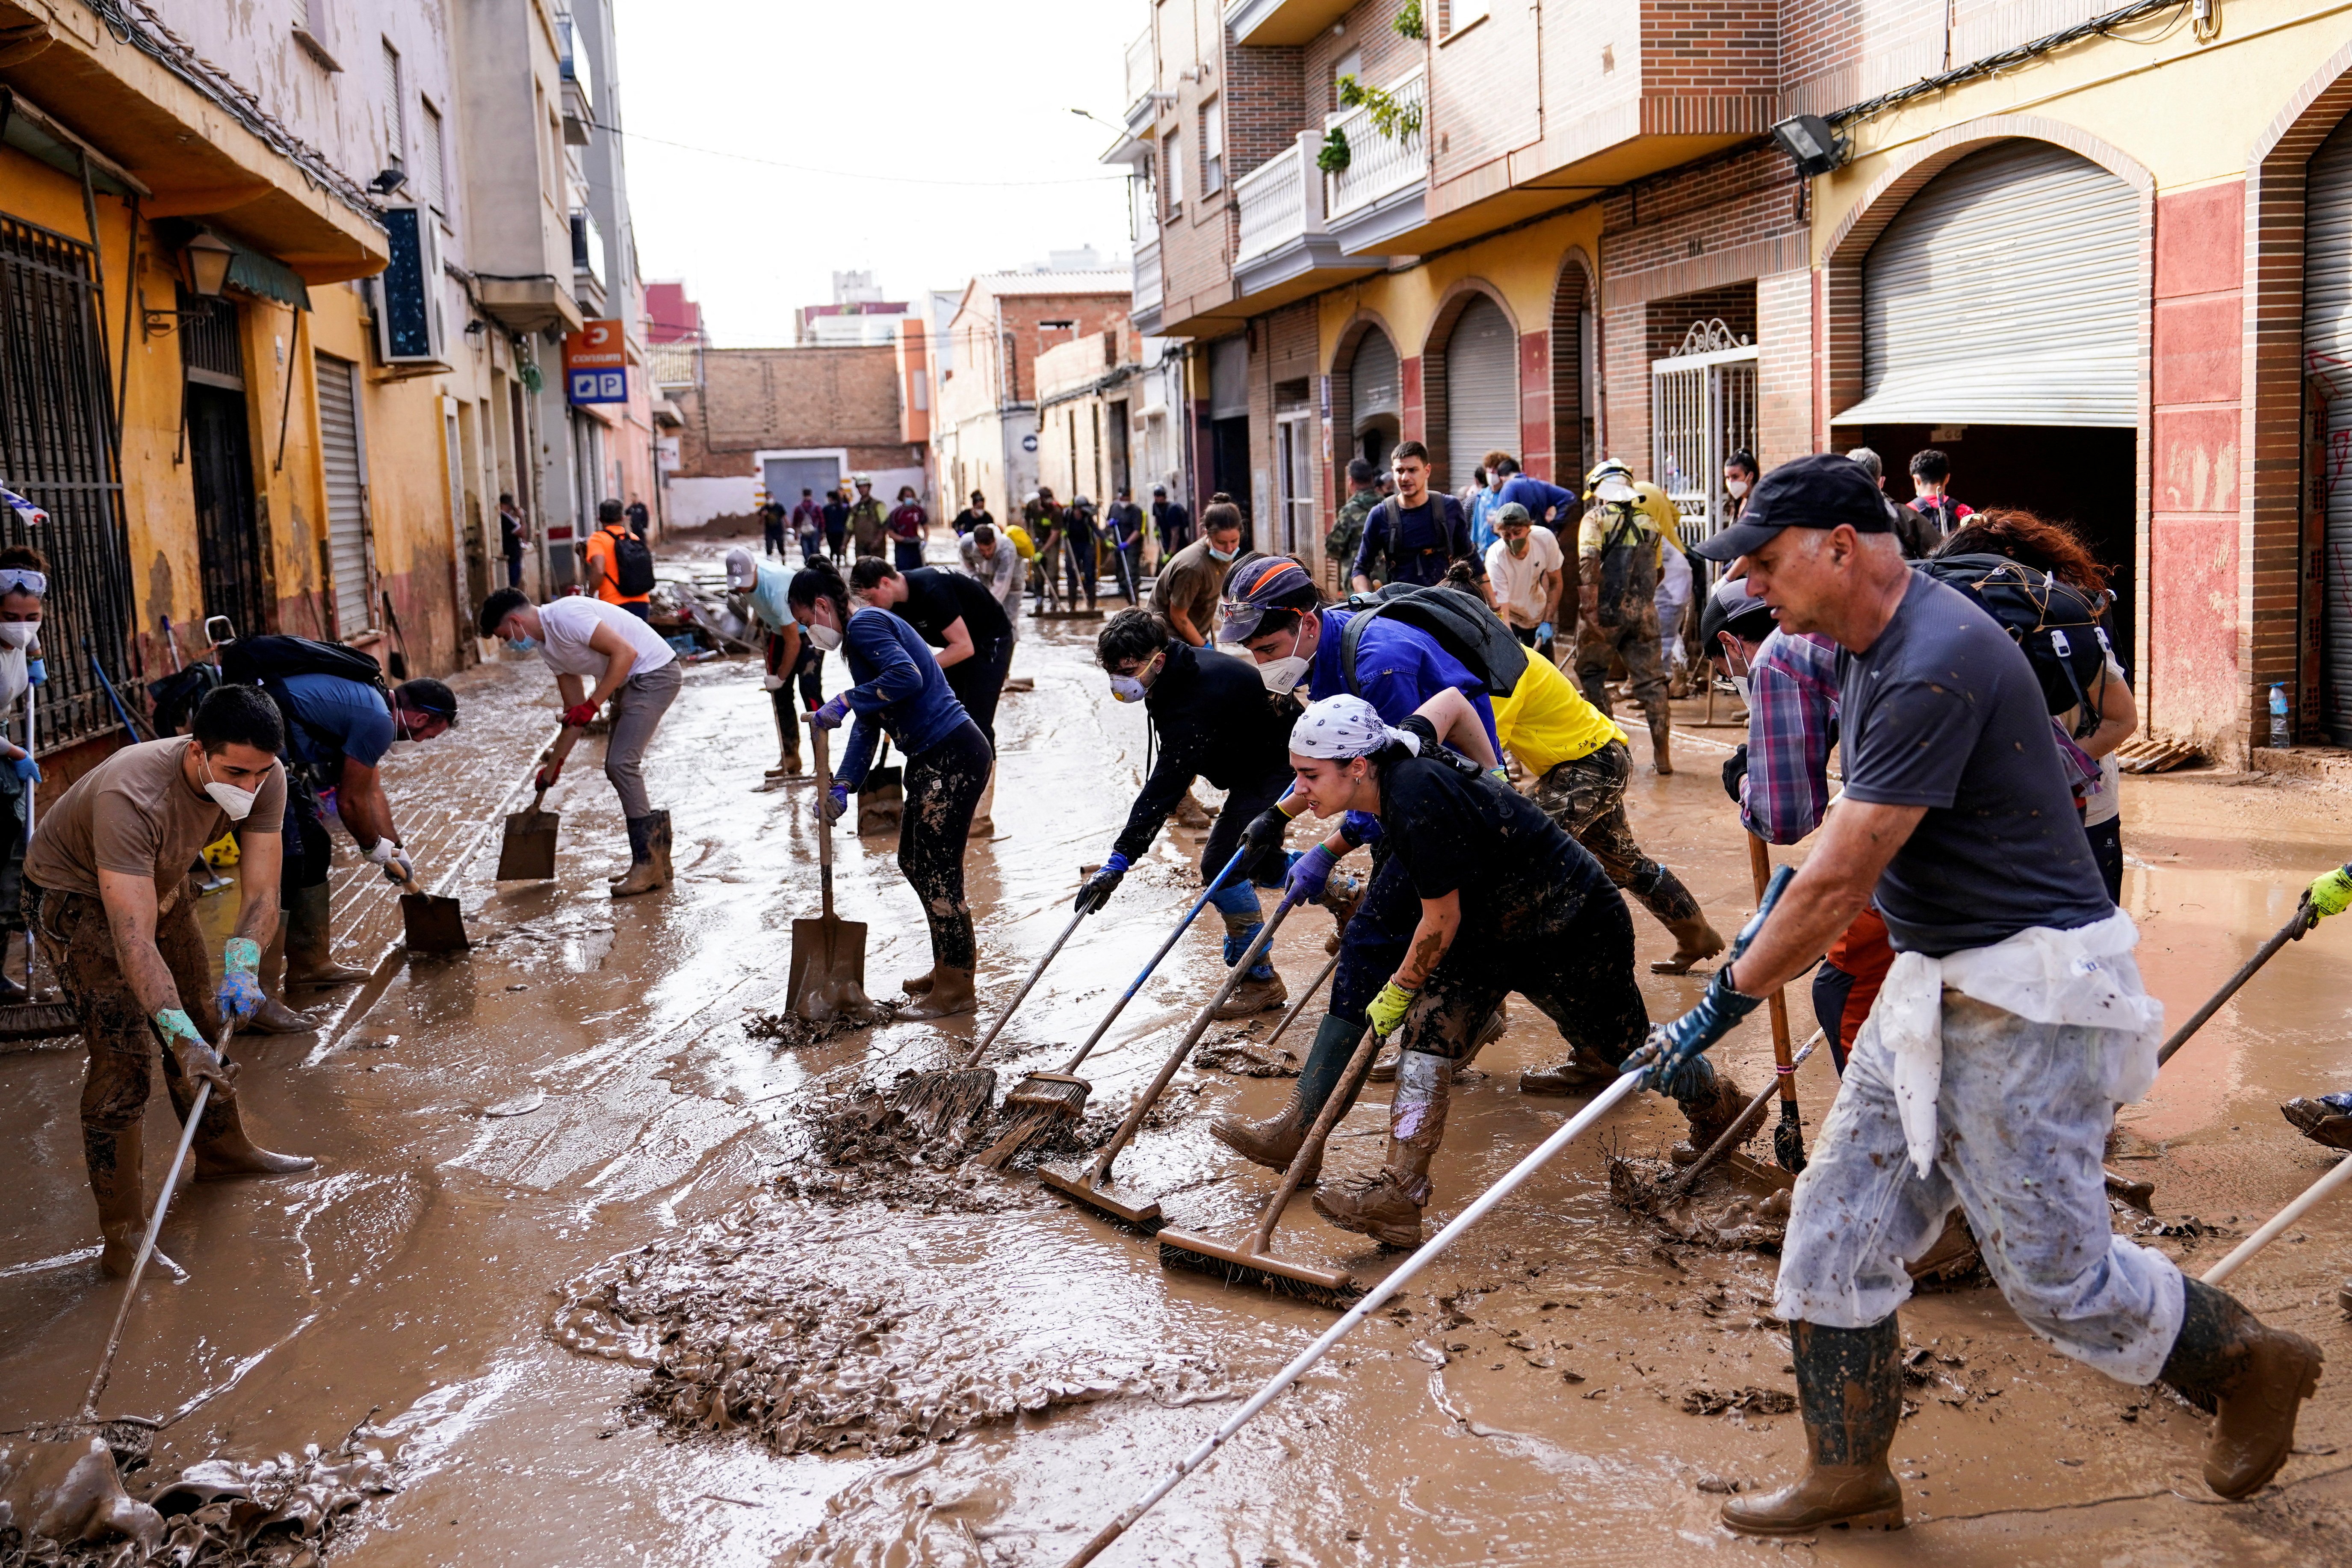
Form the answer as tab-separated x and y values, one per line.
2008	1029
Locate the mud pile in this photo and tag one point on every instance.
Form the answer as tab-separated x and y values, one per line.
746	1327
1730	1209
790	1031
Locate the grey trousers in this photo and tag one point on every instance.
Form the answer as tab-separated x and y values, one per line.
637	709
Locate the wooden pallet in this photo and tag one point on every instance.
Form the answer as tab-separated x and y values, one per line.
2152	755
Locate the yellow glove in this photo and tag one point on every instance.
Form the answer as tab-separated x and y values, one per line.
2332	894
1388	1008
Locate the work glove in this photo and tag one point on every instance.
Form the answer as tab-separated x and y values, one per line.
1388	1008
1360	828
397	866
580	715
1543	632
2332	894
26	770
830	715
835	801
1261	838
1672	1047
1309	875
772	682
548	774
190	1052
1735	773
240	984
1102	884
36	671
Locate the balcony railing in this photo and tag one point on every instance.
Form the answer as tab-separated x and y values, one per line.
1377	165
587	246
1139	73
1147	278
1281	200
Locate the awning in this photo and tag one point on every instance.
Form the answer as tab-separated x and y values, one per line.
266	276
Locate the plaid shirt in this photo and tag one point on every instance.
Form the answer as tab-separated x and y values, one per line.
1792	702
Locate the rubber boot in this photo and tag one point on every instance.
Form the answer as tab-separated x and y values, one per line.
114	1181
2256	1378
310	939
274	1017
1386	1204
1662	894
1275	1142
222	1147
1576	1076
916	985
649	856
1384	1065
950	993
1850	1392
2320	1122
983	816
1261	989
1661	724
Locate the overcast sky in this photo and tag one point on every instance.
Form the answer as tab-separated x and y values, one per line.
963	96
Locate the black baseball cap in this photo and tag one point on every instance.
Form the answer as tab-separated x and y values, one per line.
1820	490
1732	609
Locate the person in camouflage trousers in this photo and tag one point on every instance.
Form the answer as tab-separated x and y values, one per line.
1348	533
1617	550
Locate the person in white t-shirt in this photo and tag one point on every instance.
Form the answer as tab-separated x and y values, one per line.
587	641
1523	568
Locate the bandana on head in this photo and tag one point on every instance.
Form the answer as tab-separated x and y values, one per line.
1339	729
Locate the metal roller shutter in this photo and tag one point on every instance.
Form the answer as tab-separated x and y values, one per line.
1372	379
2327	357
338	442
1482	390
2008	291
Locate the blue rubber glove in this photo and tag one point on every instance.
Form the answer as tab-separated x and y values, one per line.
1360	828
1309	875
36	671
26	770
1388	1008
1543	631
829	716
240	991
1102	884
835	801
1672	1047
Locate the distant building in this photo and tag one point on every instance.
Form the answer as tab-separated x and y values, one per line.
985	435
778	420
858	314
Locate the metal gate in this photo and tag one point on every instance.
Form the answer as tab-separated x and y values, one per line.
1701	409
343	455
57	449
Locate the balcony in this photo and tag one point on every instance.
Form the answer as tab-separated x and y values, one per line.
1260	23
579	85
1285	249
1142	78
1381	193
1145	308
587	260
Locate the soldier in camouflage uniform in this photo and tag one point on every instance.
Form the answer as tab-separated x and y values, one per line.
1618	558
1363	494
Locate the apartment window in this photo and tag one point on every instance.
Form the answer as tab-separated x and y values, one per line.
1350	64
436	169
1171	160
395	113
1212	147
1460	14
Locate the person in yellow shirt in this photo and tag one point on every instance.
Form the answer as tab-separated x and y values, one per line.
1619	548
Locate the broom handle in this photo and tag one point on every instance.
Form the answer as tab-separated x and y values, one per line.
1305	996
1129	994
1036	975
155	1229
1200	1022
1742	1126
2302	920
1602	1105
1760	868
817	744
1351	1080
30	787
2280	1221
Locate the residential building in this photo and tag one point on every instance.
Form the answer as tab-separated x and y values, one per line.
858	314
1101	417
1570	229
774	421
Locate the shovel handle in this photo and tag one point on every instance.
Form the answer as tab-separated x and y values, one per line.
2302	920
820	744
1037	972
1760	867
1200	1022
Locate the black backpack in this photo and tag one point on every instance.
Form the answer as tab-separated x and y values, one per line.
2057	625
1462	624
268	661
633	566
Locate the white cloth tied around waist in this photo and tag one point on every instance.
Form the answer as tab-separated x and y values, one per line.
2085	978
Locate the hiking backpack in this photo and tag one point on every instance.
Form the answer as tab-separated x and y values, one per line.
633	566
1462	624
268	661
2056	624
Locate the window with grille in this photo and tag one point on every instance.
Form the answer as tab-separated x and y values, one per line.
435	156
56	449
395	113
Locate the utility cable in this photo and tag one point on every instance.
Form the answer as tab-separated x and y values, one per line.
856	174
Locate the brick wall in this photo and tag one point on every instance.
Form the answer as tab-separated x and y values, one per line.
1709	48
1832	55
1733	305
1264	106
1784	366
1366	28
1483	99
762	399
1024	316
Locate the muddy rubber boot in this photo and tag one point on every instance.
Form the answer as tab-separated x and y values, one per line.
2255	1376
1662	894
274	1017
2320	1122
950	993
1576	1076
983	816
1661	724
1850	1392
916	985
646	870
310	942
222	1147
114	1181
1261	988
1384	1065
1275	1142
1386	1204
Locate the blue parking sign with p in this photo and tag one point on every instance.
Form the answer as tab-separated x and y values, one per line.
600	385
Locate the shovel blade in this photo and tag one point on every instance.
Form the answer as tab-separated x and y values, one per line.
435	924
528	852
881	801
828	972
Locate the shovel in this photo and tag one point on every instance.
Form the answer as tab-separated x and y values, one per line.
828	974
527	854
435	924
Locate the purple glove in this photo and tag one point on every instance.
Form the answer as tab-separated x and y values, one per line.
829	717
836	801
1308	875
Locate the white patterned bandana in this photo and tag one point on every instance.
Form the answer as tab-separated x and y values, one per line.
1338	729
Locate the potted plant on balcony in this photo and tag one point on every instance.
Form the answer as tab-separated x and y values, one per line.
1334	154
1390	116
1408	23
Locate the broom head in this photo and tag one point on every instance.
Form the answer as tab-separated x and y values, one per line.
28	1021
1038	1104
937	1102
1235	1264
1137	1214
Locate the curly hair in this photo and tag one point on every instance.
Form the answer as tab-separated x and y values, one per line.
2030	540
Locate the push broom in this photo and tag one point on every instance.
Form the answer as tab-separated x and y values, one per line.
1093	1189
938	1101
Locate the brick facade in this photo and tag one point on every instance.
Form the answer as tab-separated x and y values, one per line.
754	400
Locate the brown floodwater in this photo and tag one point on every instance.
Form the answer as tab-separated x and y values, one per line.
584	1112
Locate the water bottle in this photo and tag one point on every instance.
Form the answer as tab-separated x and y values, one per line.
2278	716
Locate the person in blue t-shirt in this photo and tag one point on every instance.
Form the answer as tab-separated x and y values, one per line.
337	733
899	690
1417	533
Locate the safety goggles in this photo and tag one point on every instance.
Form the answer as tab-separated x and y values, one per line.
15	580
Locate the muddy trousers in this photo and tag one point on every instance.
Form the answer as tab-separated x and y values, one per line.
637	709
1078	570
2022	1117
1634	639
943	787
979	681
1237	901
1585	798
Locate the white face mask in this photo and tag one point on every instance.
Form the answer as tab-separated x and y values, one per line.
19	634
1128	688
1281	675
1739	487
826	638
237	803
1739	684
1217	554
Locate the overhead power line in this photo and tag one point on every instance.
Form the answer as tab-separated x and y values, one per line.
854	174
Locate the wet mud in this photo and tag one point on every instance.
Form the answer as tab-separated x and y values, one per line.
628	1272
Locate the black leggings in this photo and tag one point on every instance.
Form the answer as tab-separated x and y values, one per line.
943	787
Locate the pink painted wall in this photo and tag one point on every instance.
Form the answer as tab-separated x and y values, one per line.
1535	404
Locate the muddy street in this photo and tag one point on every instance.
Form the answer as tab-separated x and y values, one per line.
589	1254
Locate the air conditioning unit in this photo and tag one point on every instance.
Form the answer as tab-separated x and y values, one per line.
408	319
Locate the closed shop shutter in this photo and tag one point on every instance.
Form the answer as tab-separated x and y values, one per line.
2328	355
1482	390
1229	377
1373	380
2008	291
338	442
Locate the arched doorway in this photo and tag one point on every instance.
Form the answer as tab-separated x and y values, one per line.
2328	411
1482	389
1375	401
1575	375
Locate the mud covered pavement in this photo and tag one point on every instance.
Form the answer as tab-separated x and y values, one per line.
609	1271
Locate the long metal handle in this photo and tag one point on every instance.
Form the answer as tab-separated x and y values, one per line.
1200	1022
155	1229
1129	994
30	788
1602	1105
1036	974
1742	1126
2302	920
2280	1221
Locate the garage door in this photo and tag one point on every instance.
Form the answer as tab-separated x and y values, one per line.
2327	353
787	476
347	543
1482	390
1373	380
2008	291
